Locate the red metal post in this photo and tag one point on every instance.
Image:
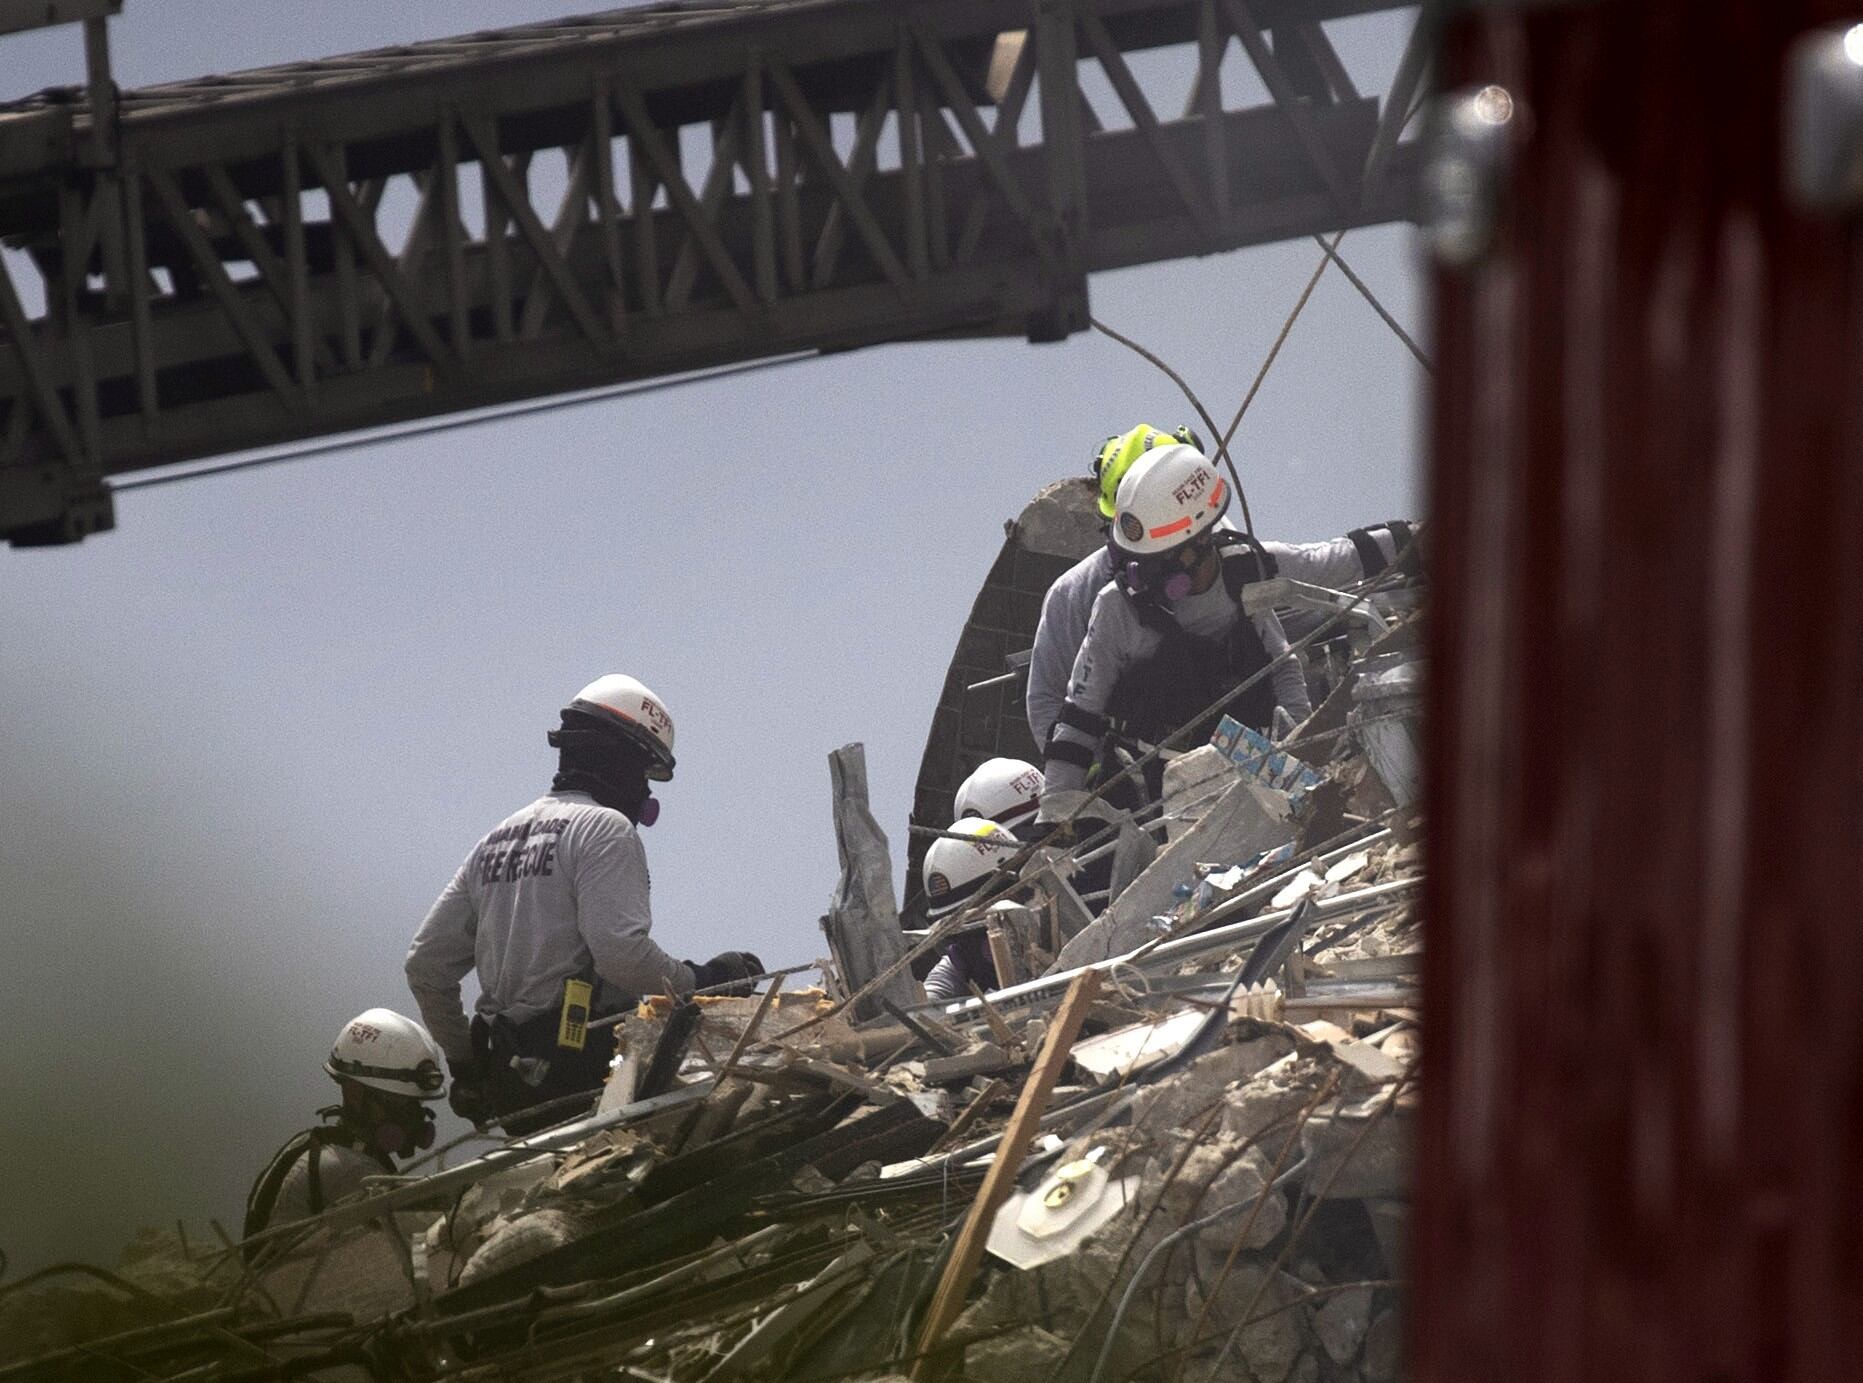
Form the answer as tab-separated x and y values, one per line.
1642	1152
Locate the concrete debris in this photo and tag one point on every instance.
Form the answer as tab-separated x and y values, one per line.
1215	1187
1015	1357
1341	1324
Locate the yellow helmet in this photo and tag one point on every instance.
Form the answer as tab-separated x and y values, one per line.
1117	453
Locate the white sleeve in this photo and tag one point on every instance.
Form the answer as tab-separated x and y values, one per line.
438	959
1049	663
1289	678
943	985
1064	612
1333	564
1104	655
615	914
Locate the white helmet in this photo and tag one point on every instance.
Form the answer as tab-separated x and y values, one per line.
1169	496
1006	791
956	869
387	1051
629	708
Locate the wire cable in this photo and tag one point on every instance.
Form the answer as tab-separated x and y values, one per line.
1364	289
618	391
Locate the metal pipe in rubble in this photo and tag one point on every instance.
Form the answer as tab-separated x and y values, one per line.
1184	947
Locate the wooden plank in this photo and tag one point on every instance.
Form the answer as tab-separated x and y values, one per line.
999	1025
1000	1180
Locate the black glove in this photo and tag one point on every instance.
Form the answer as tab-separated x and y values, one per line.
1045	832
727	967
468	1096
471	1102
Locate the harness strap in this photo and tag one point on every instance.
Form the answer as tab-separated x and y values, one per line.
1081	719
1067	752
1409	554
262	1200
1370	555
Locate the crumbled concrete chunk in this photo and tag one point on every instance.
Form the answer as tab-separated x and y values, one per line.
1017	1357
1341	1323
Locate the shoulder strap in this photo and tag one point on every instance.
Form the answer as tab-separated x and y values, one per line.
1409	554
1244	561
1370	555
263	1198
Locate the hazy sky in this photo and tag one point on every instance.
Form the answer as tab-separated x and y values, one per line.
249	735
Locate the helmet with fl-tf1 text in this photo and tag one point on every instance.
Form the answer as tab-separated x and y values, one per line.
387	1051
1170	497
1169	504
1006	791
1118	452
626	709
956	869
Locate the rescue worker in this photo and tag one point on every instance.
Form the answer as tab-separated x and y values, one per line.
955	872
1006	791
551	907
1168	635
1334	563
388	1068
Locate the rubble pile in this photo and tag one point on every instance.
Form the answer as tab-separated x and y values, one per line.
1172	1144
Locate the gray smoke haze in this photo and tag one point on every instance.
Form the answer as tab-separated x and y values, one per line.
249	735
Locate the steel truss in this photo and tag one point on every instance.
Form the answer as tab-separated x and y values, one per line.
327	246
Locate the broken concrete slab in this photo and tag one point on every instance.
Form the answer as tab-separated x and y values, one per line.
1192	782
1249	1302
1015	1357
1361	1150
1340	1325
1234	828
863	919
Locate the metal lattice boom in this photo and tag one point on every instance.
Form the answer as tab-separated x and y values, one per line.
326	246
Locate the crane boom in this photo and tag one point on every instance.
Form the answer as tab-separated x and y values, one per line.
306	250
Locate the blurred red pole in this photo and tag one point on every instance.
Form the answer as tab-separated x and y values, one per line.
1642	1144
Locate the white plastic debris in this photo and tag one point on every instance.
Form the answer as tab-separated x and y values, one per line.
1117	1054
1075	1199
1303	883
1349	866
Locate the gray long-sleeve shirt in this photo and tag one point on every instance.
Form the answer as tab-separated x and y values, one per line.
1333	563
341	1172
557	891
1116	639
